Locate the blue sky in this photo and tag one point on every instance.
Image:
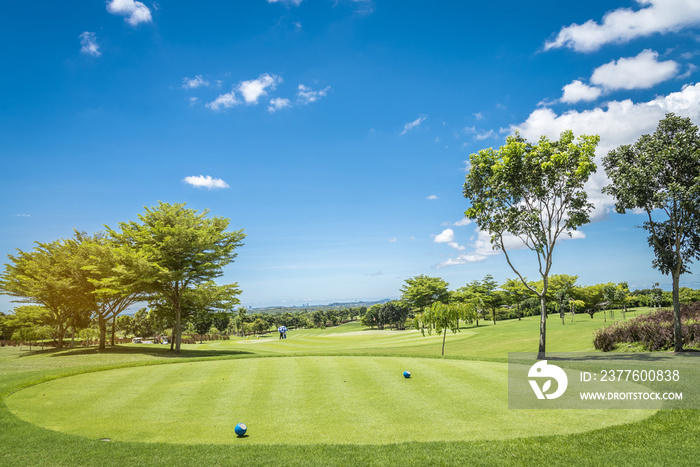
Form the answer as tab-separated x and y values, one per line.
335	132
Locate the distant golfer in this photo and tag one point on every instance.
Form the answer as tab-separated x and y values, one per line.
281	331
284	332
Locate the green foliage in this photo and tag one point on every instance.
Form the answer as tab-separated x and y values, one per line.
393	313
94	264
42	277
516	293
532	192
660	174
125	325
175	249
422	291
441	317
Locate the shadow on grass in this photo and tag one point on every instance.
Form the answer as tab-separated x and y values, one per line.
162	352
645	356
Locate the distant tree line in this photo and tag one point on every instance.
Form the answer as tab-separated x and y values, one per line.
428	305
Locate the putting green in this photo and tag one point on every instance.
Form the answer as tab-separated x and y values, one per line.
298	400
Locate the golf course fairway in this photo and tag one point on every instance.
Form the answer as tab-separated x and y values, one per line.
303	400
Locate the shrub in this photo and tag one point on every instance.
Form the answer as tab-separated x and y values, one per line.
654	331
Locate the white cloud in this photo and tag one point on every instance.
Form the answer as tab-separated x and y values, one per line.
482	248
620	122
88	44
307	95
255	88
691	69
413	124
135	12
576	91
393	240
286	2
640	72
624	24
201	181
23	215
448	236
463	222
194	83
485	135
432	197
278	104
224	101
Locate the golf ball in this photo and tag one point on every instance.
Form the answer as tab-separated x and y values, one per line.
406	374
241	429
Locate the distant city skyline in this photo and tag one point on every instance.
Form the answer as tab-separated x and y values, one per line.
336	133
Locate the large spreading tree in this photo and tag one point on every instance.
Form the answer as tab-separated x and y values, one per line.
660	174
532	192
175	250
93	263
42	277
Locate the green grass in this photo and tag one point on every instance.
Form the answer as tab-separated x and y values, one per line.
340	400
346	404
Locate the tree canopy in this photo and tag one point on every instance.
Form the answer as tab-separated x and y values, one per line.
422	291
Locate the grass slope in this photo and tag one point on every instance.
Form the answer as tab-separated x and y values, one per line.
668	437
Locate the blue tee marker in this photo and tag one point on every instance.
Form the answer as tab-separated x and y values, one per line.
406	374
240	429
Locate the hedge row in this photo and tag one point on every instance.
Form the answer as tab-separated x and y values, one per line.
654	331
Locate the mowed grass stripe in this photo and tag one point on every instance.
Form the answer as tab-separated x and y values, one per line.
307	400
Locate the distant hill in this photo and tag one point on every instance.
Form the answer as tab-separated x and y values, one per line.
273	310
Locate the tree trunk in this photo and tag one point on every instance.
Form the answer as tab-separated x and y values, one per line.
444	335
493	311
543	326
677	332
176	329
60	333
114	327
103	331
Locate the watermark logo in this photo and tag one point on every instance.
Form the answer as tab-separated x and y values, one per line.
552	372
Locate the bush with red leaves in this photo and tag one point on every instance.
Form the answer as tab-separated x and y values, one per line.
654	331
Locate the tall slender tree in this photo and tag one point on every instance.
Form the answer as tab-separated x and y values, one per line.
660	174
532	192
